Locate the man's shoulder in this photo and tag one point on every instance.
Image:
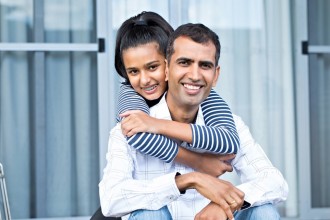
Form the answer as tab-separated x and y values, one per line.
116	131
237	119
240	125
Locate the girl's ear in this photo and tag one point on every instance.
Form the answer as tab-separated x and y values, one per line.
166	70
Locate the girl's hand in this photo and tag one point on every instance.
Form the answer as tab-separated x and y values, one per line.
135	121
214	165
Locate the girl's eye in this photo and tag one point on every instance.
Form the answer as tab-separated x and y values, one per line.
153	67
133	72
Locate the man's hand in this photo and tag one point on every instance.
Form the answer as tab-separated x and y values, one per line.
210	212
136	121
221	192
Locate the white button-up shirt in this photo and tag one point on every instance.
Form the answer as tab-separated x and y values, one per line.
133	181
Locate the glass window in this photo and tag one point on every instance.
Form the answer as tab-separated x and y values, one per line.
16	21
123	10
15	130
49	142
69	21
319	81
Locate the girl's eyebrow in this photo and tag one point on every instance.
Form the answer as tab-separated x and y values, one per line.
147	64
130	68
152	62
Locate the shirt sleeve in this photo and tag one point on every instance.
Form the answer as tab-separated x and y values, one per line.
220	134
154	145
260	180
120	194
128	99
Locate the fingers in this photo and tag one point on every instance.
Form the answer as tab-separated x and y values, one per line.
235	200
234	206
129	112
127	127
227	167
226	208
130	126
232	203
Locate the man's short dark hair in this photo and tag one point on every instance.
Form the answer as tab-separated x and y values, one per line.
199	33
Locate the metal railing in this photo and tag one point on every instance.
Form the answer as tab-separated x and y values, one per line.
4	195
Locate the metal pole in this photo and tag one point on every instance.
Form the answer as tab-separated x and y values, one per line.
4	194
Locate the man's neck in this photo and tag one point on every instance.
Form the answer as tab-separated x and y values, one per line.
180	112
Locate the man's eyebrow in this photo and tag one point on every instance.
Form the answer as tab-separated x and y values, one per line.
184	59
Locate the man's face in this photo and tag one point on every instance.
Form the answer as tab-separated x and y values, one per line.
191	73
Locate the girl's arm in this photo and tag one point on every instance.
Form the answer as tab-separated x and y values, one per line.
222	139
147	143
220	134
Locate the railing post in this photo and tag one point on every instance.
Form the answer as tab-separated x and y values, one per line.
4	194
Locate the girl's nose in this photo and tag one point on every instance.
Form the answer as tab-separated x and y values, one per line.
145	79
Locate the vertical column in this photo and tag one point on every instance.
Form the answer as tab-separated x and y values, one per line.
39	115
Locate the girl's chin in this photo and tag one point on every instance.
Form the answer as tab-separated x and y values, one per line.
152	96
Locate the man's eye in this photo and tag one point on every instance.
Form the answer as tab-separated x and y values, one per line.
206	65
183	62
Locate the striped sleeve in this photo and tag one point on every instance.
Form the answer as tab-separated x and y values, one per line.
154	145
220	134
128	99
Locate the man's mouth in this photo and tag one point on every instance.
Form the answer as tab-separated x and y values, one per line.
192	87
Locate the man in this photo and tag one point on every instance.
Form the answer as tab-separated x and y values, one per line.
133	181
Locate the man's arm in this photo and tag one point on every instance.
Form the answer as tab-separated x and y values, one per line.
221	192
261	181
121	194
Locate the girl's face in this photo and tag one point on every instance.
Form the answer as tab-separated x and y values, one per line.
145	68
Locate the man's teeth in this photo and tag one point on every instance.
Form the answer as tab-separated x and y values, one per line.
150	88
191	86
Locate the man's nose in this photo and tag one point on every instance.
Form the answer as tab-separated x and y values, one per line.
145	78
195	74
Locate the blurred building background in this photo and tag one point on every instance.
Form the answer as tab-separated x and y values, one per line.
58	91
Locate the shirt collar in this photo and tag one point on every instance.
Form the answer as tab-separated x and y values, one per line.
161	111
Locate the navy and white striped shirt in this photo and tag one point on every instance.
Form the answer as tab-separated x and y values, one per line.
218	136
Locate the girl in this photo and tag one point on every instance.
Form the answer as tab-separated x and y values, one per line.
147	34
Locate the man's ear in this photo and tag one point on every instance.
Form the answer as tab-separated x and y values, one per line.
216	76
166	70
